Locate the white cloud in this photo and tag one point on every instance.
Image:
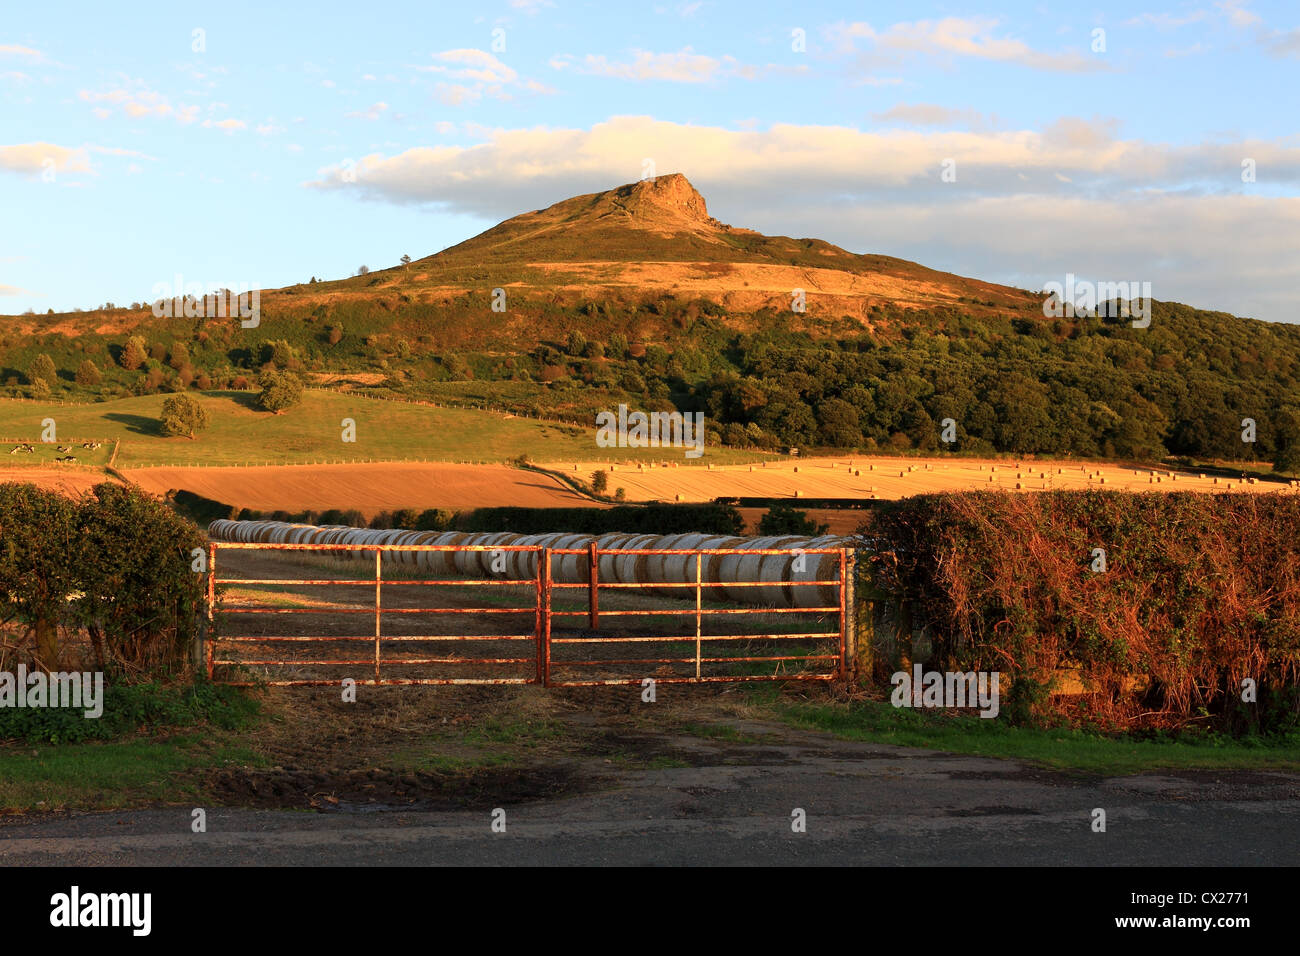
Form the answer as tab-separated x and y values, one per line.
26	52
136	100
959	36
472	74
229	125
1280	43
372	112
15	290
930	114
32	159
1236	13
684	66
1166	21
1071	197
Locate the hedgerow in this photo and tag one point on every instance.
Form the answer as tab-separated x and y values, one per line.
1199	594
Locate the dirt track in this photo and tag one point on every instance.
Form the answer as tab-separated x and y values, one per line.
619	790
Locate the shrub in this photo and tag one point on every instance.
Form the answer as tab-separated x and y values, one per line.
435	519
180	355
115	563
1199	592
183	415
88	373
42	370
280	390
783	519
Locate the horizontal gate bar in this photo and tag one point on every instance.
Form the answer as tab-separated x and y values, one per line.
691	584
370	582
612	682
370	638
385	682
823	635
369	662
707	610
691	660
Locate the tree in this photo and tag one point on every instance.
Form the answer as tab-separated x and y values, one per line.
576	343
336	334
782	519
133	354
363	270
280	390
599	482
42	368
180	355
406	260
88	373
183	415
280	354
1288	459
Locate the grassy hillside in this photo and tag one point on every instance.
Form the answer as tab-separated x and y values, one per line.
241	434
636	295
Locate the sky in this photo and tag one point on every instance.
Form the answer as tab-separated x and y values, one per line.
239	146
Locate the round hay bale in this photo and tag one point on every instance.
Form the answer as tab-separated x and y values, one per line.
630	568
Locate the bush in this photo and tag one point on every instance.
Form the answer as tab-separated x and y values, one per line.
782	519
1199	592
42	370
280	390
115	564
183	415
88	373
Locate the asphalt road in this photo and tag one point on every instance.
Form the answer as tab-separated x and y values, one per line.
864	804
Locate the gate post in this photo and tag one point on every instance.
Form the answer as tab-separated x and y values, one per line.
848	615
593	589
544	617
212	590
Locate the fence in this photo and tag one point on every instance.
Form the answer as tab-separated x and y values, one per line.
564	647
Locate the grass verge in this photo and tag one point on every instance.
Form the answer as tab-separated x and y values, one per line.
1060	748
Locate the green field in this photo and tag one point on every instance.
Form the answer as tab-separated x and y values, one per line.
241	434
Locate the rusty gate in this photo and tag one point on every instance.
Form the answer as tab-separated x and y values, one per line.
544	638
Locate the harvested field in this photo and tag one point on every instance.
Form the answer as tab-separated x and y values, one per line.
367	488
888	478
70	480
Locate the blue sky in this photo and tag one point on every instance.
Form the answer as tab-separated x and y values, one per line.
271	146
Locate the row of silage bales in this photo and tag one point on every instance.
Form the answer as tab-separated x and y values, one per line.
816	567
740	569
720	573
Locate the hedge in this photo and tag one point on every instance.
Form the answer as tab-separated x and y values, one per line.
1199	593
114	567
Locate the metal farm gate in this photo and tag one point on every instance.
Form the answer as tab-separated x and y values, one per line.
516	624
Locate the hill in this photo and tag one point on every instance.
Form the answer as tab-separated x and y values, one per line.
637	295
